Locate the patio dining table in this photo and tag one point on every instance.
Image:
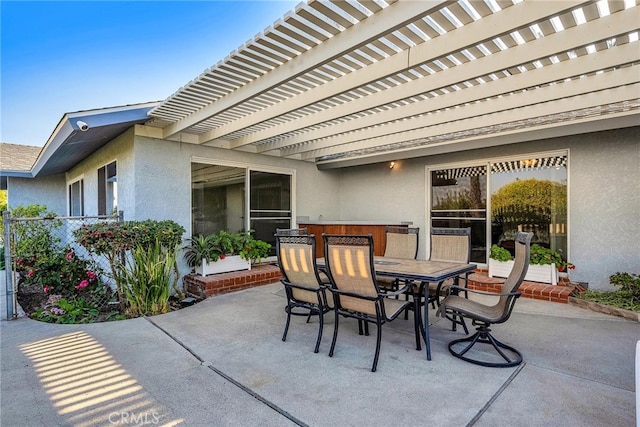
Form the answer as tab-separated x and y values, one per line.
418	271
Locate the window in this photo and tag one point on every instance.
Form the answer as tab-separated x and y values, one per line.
76	198
220	201
107	189
499	198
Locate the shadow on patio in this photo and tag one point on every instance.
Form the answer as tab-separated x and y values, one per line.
222	362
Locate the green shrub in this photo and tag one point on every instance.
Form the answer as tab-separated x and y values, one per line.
627	297
114	240
61	271
500	254
538	255
628	283
34	238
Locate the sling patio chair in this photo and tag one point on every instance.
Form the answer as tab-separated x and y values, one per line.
306	294
484	315
292	231
447	245
350	267
402	242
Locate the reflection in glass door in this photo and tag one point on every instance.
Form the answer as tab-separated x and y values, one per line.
530	195
459	200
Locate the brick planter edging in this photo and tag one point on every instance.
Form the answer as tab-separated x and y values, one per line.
215	284
607	309
555	293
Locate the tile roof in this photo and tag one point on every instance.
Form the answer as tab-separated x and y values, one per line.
16	157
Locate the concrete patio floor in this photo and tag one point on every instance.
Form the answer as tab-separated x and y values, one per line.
221	362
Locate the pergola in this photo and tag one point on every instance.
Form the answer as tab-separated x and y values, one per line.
341	83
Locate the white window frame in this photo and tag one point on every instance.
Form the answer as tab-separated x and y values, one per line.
115	187
79	179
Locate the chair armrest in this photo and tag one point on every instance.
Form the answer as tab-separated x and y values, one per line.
474	291
304	288
352	294
406	287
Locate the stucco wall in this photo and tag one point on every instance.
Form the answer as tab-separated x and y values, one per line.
154	182
119	150
604	197
49	191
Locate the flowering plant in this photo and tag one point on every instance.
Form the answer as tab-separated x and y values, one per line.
60	271
65	310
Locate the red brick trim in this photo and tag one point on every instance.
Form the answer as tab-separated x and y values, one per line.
540	291
215	284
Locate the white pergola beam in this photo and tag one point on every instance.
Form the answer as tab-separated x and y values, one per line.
397	15
508	111
346	132
504	22
603	28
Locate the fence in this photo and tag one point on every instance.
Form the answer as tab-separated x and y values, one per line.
42	254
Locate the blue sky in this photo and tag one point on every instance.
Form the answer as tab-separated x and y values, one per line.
60	57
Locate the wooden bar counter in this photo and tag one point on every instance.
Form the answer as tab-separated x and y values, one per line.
376	228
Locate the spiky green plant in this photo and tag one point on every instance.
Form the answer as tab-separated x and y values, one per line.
148	279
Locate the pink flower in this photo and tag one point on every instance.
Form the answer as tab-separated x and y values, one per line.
69	256
46	289
82	285
30	273
91	275
223	256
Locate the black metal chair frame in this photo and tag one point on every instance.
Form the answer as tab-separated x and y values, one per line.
483	322
396	229
292	231
380	317
309	309
418	291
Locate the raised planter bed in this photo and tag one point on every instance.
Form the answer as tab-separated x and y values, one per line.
259	275
535	273
229	263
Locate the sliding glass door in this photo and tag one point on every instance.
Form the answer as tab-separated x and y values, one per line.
496	199
220	200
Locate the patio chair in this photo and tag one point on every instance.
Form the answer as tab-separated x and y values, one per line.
292	231
349	263
484	315
402	242
306	294
447	245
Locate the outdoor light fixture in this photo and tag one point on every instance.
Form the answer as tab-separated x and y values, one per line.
391	165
